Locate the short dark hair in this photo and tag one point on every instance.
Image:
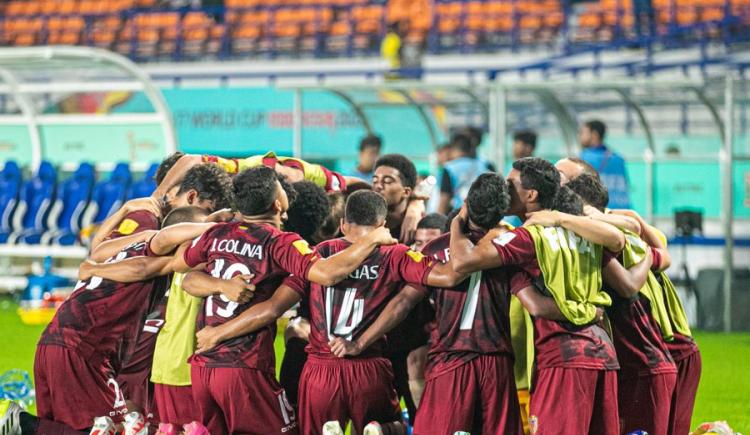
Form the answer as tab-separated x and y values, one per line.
371	141
463	141
488	200
403	165
587	168
540	175
434	221
568	202
526	136
309	210
473	133
598	126
255	190
166	165
211	183
452	215
591	190
366	208
189	213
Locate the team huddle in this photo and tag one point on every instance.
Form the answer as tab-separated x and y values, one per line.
567	324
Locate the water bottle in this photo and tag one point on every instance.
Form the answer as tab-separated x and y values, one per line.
425	187
16	385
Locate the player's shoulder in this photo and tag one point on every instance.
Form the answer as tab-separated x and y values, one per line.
437	245
504	236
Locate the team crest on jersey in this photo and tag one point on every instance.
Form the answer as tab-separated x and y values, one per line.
414	255
504	239
127	227
533	424
302	247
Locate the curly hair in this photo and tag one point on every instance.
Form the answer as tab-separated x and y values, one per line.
403	165
567	201
211	183
540	175
591	190
255	190
308	212
488	200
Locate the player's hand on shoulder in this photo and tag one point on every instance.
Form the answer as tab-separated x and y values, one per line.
545	218
224	215
382	236
207	339
342	347
239	289
147	203
85	270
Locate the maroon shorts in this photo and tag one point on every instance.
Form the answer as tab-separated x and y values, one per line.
137	388
683	399
239	400
360	390
175	404
477	397
570	400
644	402
71	391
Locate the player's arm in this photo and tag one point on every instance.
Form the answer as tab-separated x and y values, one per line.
393	314
415	210
442	275
133	269
466	257
596	232
111	223
539	305
664	259
110	248
331	270
176	174
250	320
200	284
649	233
627	282
620	221
167	239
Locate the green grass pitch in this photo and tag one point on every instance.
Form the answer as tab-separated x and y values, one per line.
724	392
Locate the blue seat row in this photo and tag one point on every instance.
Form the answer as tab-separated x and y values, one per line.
42	211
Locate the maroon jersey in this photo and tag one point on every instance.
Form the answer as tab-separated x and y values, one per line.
471	318
100	314
637	338
558	344
242	248
138	357
135	222
351	306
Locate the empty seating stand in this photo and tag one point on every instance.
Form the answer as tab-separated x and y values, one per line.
43	211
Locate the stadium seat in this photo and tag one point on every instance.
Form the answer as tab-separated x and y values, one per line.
37	196
146	185
108	195
73	196
10	189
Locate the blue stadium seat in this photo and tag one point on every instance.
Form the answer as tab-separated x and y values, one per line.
146	185
73	197
108	195
37	196
10	189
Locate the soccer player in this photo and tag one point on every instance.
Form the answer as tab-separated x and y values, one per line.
647	373
205	186
429	228
77	355
469	380
360	389
576	355
395	178
234	384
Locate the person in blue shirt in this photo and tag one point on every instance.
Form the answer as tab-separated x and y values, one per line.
460	172
369	151
610	165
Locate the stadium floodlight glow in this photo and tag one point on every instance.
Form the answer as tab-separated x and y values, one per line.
31	76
